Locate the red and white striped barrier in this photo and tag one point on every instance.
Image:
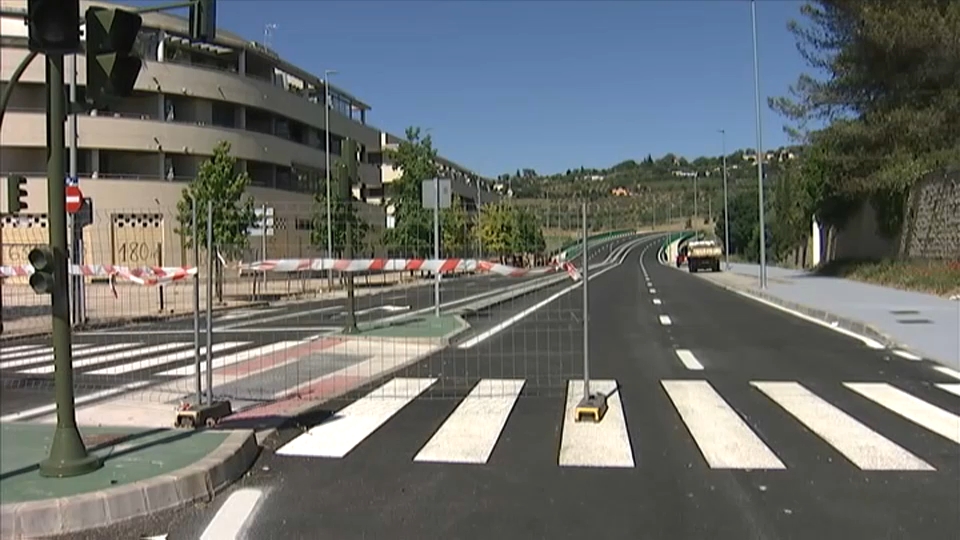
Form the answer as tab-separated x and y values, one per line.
400	265
146	275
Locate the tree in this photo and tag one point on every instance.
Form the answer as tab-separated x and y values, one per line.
218	182
505	229
413	229
889	96
342	211
455	229
744	229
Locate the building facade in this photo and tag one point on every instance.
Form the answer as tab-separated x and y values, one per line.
135	157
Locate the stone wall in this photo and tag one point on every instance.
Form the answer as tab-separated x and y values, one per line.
932	225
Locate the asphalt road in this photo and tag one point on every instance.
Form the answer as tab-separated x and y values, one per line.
750	432
110	359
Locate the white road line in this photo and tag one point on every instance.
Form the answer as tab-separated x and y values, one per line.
472	342
49	357
665	320
471	432
34	350
869	342
147	363
586	444
908	355
500	327
912	408
280	317
92	361
953	388
864	447
230	359
15	348
688	359
347	428
232	517
724	439
949	372
86	398
657	301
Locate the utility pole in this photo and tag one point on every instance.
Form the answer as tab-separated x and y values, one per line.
756	83
326	128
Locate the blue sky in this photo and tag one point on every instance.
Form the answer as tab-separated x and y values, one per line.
545	85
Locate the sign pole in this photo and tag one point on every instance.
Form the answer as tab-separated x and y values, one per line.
436	246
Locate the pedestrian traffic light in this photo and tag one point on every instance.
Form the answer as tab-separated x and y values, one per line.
53	26
43	259
112	69
350	155
16	194
203	20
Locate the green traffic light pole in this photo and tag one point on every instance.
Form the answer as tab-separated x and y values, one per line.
68	455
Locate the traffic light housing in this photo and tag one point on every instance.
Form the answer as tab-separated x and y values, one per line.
44	261
112	68
53	26
203	20
16	194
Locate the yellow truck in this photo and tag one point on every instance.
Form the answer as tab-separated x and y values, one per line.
703	254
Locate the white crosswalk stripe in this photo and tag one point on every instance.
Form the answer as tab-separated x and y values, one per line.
722	434
146	363
122	355
137	360
46	355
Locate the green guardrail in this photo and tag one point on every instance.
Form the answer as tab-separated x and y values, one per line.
572	249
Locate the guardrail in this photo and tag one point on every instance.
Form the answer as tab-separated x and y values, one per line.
572	249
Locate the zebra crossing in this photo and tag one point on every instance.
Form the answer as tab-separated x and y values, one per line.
133	360
722	434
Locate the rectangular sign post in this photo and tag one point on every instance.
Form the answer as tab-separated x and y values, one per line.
436	194
263	228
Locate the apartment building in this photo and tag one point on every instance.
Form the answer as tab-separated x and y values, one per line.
135	157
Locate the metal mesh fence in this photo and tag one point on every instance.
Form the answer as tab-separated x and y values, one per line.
155	320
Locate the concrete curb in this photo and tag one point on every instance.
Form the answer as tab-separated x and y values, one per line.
198	482
443	340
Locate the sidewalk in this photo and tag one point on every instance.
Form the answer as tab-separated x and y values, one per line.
924	324
144	471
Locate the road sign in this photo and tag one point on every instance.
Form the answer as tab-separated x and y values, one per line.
430	194
74	199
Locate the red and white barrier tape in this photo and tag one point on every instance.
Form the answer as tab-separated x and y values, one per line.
400	265
146	275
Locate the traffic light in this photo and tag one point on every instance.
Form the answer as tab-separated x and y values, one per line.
53	26
350	154
112	69
16	193
43	259
203	20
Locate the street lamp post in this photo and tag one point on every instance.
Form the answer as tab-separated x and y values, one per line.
726	206
326	119
756	84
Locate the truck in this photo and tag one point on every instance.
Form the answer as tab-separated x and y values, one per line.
703	254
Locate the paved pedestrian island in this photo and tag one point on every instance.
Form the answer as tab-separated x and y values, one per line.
416	327
144	470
